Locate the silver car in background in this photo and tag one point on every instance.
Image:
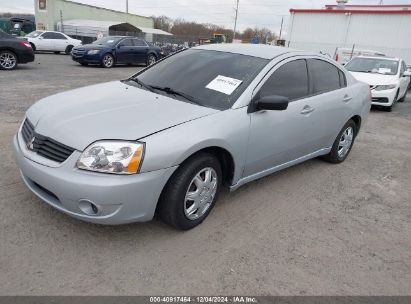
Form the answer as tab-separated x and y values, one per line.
168	138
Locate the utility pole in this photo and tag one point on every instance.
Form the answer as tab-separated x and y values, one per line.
281	28
61	21
127	6
235	22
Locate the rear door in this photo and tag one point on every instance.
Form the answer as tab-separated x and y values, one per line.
331	101
125	51
277	137
141	50
60	42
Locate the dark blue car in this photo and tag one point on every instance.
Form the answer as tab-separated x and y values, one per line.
112	50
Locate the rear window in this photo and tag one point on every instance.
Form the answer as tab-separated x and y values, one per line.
373	65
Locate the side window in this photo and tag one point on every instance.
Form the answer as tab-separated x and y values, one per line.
127	42
403	68
290	80
325	76
47	36
59	36
139	42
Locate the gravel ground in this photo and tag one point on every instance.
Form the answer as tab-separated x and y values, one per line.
314	229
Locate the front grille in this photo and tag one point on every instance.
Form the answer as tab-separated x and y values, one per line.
78	53
44	146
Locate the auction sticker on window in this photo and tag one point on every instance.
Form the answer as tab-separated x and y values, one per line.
224	84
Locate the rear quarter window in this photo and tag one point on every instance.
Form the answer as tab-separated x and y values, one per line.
326	77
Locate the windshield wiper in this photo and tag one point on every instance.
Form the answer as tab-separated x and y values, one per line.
142	84
174	92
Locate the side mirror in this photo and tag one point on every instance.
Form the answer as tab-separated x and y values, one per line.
40	37
273	102
407	74
119	46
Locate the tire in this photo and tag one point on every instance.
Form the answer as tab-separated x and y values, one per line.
107	61
340	152
33	47
84	64
174	208
8	60
68	49
151	59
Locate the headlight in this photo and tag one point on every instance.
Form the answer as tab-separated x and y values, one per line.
93	52
385	87
118	157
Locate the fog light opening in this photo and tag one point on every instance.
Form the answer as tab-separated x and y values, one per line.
88	207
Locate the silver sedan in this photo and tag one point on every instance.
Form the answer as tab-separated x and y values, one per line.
168	138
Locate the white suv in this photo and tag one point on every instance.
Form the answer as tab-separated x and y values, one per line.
388	78
52	41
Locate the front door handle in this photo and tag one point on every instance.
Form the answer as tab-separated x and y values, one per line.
307	110
347	98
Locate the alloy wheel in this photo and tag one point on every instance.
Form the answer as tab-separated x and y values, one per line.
108	61
151	60
200	193
345	143
8	61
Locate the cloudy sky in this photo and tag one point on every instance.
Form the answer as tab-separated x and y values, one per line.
267	13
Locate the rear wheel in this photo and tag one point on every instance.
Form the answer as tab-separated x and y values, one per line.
107	61
342	144
68	49
151	59
191	192
8	60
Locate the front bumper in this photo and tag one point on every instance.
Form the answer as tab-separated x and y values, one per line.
85	58
120	199
383	98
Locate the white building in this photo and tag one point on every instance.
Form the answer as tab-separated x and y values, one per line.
383	28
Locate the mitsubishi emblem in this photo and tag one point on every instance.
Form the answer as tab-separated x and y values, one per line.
30	143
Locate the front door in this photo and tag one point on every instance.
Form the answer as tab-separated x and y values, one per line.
277	137
125	51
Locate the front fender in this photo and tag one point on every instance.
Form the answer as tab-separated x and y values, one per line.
226	129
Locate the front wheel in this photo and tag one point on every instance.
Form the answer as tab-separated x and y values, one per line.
342	144
191	192
8	60
107	61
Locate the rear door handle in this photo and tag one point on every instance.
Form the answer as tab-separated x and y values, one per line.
347	98
307	110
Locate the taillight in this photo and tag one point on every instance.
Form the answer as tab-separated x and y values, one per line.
337	57
25	43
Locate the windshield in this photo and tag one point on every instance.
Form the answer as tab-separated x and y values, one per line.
107	41
34	34
373	65
209	78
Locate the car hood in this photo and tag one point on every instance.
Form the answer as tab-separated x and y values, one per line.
111	110
375	78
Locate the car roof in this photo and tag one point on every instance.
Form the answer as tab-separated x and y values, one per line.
256	50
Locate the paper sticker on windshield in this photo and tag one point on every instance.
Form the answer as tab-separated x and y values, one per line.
384	70
224	84
110	41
